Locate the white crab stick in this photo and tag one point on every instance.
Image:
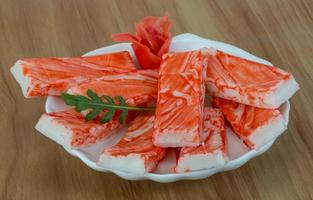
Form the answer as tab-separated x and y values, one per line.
181	91
69	128
135	152
52	76
248	82
255	126
212	151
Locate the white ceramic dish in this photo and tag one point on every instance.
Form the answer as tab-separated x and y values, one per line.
239	153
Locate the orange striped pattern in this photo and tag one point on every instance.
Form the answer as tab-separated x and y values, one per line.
51	76
180	99
138	88
138	140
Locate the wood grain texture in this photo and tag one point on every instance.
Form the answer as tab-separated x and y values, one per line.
34	167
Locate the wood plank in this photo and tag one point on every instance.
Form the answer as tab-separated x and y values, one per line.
33	167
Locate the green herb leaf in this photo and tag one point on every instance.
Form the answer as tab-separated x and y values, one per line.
109	99
108	116
124	111
93	96
97	104
93	114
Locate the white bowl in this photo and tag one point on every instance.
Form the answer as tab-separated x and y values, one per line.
239	153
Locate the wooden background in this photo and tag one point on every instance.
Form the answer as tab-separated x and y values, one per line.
34	167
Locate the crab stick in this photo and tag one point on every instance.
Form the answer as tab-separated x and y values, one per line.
69	128
135	152
255	126
52	76
138	88
180	103
212	151
248	82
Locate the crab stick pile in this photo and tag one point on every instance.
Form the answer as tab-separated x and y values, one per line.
245	95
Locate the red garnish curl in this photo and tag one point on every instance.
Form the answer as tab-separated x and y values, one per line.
151	41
